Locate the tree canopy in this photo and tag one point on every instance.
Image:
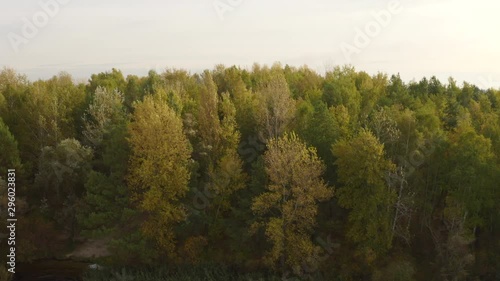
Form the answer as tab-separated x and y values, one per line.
344	175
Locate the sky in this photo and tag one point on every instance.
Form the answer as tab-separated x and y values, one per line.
457	38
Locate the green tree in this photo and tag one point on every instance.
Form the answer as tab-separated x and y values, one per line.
470	180
340	89
62	171
362	168
303	81
318	126
8	145
109	80
106	204
41	114
134	91
221	169
397	92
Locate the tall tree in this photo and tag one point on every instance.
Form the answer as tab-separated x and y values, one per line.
208	119
106	204
109	80
275	106
105	109
227	176
221	169
62	171
362	169
288	207
158	169
10	152
340	89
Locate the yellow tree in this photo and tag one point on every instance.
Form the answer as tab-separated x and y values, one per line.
227	175
289	206
159	174
208	119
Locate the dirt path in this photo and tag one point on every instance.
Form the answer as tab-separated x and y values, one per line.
92	248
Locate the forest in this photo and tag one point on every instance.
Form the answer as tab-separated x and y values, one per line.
260	173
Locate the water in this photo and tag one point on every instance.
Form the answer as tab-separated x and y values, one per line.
50	270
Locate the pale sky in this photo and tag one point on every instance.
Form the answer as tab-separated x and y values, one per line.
445	38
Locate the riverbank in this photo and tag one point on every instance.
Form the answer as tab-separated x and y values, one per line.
70	266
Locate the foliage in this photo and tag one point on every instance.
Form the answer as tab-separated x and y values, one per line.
289	205
179	169
158	172
275	106
105	109
8	145
362	168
